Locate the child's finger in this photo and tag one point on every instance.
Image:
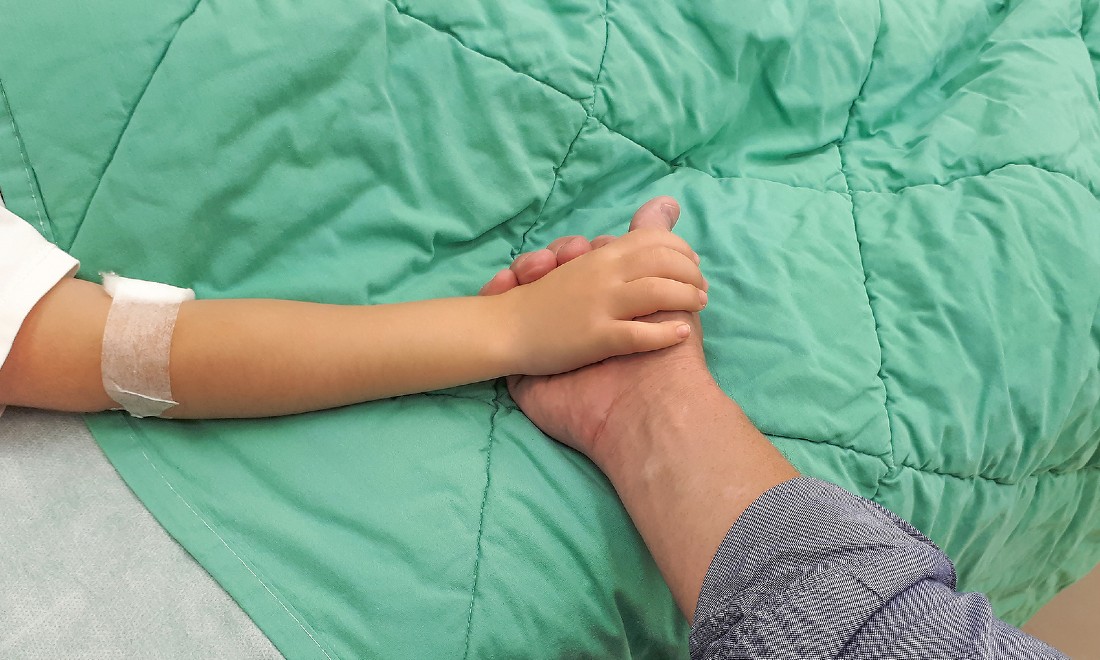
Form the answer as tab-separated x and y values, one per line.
656	294
641	336
662	262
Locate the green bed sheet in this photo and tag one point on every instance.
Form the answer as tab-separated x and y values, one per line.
896	203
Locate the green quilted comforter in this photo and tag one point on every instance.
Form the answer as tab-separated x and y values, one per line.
896	203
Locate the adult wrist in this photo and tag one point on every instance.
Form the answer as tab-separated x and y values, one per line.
685	466
654	415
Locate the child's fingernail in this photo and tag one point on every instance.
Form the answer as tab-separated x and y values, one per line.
703	298
697	260
706	285
683	330
669	211
522	258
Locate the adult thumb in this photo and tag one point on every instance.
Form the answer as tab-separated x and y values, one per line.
658	213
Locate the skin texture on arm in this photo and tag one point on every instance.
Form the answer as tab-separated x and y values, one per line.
250	358
683	457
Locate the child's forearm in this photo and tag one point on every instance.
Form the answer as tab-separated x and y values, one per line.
249	358
252	358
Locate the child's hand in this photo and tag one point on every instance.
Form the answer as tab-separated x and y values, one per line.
583	311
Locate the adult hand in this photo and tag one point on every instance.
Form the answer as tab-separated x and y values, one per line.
686	462
576	408
683	457
585	310
531	266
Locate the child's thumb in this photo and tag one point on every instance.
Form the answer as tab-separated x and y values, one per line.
650	336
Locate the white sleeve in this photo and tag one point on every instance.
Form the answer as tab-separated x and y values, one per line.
29	267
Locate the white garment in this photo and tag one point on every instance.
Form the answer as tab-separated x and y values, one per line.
29	267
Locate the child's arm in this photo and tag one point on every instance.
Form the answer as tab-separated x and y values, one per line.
248	358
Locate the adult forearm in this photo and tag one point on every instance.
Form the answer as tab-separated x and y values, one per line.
686	469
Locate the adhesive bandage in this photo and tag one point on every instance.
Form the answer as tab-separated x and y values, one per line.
137	342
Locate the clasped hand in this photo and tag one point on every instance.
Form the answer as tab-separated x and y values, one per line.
585	309
577	407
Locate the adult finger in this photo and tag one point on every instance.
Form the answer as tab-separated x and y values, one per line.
503	281
648	237
544	405
532	266
576	246
525	391
557	243
658	213
517	388
601	241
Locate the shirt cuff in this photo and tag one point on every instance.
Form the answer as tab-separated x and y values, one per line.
30	269
809	563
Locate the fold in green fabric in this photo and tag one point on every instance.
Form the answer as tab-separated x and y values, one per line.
896	205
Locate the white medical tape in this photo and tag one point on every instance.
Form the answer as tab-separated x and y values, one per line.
137	342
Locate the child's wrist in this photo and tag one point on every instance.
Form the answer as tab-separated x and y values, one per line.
503	334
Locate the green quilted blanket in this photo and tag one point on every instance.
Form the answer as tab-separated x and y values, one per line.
896	203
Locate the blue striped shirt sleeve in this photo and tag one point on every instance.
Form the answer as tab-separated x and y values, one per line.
810	570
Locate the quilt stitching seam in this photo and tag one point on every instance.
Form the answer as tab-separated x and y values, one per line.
589	115
240	559
441	30
977	175
848	190
130	118
938	472
586	104
404	11
23	156
589	109
855	450
1086	18
859	252
497	408
997	480
553	187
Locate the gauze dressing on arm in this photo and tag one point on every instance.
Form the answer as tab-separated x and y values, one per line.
137	343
